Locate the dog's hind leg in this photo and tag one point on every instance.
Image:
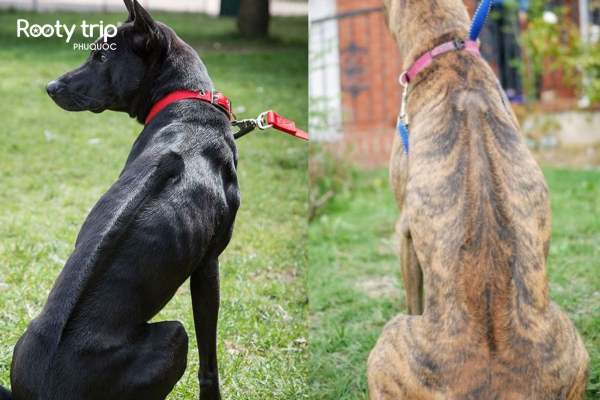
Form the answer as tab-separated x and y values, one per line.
5	394
411	269
157	360
389	371
579	357
577	391
204	285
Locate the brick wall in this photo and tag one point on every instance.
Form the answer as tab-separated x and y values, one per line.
370	63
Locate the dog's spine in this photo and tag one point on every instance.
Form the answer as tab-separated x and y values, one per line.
113	227
5	394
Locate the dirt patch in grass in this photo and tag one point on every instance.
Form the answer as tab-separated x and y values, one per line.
380	287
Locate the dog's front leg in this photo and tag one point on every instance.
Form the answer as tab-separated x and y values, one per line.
412	273
205	301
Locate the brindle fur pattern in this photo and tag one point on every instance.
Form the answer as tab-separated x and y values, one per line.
474	229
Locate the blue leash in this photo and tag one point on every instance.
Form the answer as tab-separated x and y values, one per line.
479	20
403	131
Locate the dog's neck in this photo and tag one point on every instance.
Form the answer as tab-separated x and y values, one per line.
179	68
420	25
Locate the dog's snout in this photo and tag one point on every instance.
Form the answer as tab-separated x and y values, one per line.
53	88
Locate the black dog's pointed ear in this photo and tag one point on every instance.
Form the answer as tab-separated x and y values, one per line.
144	22
129	5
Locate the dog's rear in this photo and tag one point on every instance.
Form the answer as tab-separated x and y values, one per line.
5	394
475	219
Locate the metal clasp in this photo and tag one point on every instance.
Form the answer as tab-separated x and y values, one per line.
404	79
403	116
459	44
261	121
248	125
404	83
245	126
244	123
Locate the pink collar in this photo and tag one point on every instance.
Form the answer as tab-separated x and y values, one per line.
427	58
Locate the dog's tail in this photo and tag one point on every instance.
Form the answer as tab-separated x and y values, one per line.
5	394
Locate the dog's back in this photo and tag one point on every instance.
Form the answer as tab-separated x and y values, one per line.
477	210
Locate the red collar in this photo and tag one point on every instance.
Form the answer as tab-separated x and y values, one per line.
217	99
427	58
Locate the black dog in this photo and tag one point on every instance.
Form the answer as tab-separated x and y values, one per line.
167	218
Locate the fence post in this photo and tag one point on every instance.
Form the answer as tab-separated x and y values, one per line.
34	6
584	20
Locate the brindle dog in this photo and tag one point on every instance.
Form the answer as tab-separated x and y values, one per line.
474	228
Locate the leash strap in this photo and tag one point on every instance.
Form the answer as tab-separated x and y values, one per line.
403	131
480	18
284	125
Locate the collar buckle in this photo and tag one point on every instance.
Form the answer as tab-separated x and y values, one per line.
459	44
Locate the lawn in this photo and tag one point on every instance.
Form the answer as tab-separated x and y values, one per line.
55	165
355	283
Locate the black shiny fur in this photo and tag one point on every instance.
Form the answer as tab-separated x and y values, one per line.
167	218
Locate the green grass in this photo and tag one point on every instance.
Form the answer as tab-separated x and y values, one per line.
55	165
355	283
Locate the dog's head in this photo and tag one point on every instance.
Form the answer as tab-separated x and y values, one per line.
117	72
415	22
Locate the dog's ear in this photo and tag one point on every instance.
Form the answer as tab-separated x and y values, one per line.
144	23
129	5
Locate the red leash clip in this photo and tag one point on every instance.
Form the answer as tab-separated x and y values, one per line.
269	119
